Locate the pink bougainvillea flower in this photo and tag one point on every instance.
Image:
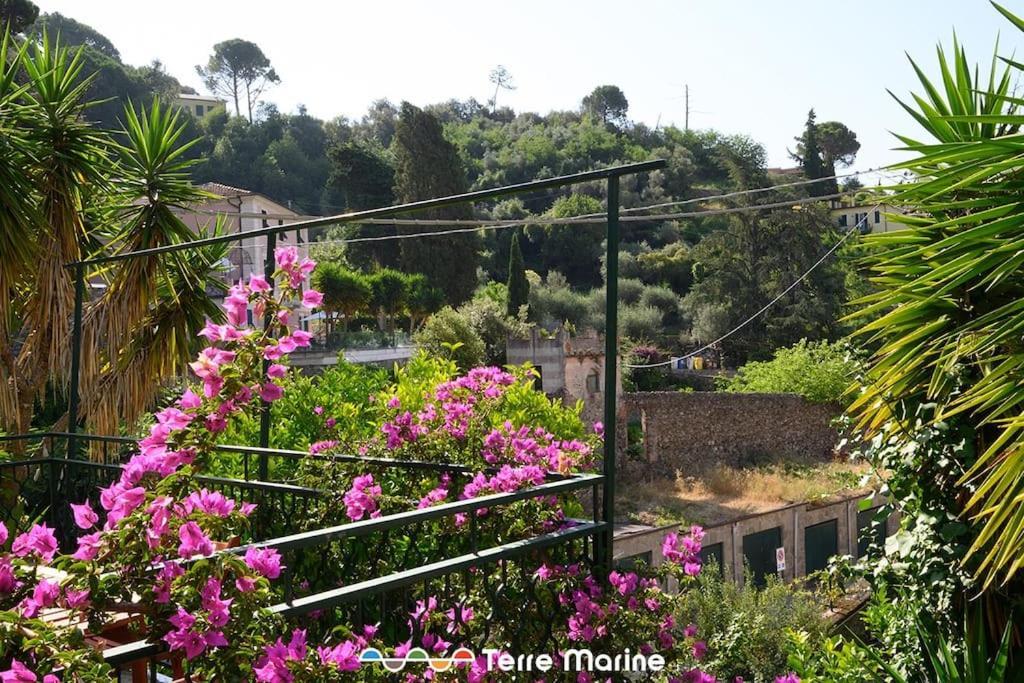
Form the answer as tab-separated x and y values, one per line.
344	656
76	598
189	399
258	283
264	561
361	499
3	533
270	392
19	673
273	352
277	371
8	581
286	257
193	541
88	546
85	517
39	541
788	678
312	299
301	338
172	417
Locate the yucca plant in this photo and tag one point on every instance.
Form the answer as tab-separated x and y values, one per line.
950	294
69	191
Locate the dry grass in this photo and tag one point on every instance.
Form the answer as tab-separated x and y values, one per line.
726	493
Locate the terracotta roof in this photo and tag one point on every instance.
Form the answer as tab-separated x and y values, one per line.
222	190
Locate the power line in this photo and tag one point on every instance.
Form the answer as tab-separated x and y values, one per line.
547	219
585	219
787	290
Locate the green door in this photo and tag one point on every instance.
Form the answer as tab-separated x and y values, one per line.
869	531
759	553
713	554
821	542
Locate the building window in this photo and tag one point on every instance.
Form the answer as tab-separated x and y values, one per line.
878	216
593	382
199	110
842	220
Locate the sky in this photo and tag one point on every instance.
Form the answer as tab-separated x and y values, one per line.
752	67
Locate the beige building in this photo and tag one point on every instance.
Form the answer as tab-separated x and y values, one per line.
571	367
242	211
199	105
876	218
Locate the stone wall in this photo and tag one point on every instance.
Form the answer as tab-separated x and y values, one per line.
693	432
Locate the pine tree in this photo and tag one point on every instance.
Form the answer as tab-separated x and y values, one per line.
428	166
518	285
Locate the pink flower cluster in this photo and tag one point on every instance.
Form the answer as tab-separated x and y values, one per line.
684	551
19	673
194	634
362	499
278	659
536	446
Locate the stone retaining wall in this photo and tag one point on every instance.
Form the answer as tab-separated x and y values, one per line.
693	432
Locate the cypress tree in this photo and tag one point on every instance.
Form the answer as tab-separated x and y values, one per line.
812	163
518	285
428	166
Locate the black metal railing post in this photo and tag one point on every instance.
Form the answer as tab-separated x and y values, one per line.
611	333
76	361
269	266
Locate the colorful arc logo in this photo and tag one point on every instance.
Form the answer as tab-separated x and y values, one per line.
417	655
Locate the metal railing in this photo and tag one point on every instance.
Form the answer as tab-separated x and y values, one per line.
382	564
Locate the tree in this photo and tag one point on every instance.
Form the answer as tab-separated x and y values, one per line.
808	155
144	319
574	249
449	334
235	65
606	103
428	166
17	15
74	33
949	336
518	285
839	146
389	294
740	269
423	299
362	173
346	292
502	80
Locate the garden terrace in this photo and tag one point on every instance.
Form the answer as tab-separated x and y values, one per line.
473	554
359	573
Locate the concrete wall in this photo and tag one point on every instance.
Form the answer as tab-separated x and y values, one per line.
637	540
692	432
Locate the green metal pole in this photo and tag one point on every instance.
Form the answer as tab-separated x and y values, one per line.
268	272
76	361
611	333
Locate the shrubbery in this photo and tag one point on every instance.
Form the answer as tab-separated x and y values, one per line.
819	371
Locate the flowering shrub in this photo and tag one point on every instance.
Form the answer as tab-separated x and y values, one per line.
153	540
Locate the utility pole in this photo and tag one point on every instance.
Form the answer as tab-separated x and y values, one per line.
686	125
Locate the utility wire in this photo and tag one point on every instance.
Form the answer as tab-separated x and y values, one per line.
787	290
570	220
547	219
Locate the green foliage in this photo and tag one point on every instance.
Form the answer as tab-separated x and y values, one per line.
819	371
428	166
238	67
346	292
741	269
572	249
640	322
953	304
494	327
344	391
606	103
17	15
449	334
389	293
745	628
518	285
